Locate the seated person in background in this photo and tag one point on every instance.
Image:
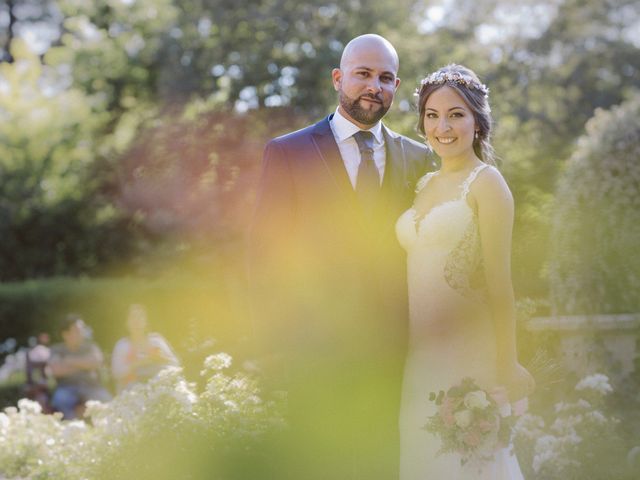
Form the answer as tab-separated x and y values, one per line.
141	355
37	369
75	363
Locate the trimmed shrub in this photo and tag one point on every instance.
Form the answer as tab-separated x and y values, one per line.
191	311
594	266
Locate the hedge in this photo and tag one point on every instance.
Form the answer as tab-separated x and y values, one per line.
189	310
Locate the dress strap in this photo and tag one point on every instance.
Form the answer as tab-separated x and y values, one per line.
423	181
466	185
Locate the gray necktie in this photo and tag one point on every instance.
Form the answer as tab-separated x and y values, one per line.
368	180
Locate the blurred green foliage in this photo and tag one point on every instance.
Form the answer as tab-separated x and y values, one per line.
596	220
52	221
12	390
162	108
193	311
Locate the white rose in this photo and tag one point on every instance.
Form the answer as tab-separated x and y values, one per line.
477	400
463	418
505	410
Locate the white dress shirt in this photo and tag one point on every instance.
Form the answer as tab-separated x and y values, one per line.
343	131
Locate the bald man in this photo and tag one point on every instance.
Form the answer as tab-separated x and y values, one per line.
328	276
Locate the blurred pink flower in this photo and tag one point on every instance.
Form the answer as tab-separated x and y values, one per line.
446	411
472	438
486	426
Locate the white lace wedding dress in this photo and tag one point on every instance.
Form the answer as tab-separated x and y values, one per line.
451	333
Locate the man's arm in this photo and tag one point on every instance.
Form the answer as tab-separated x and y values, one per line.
62	367
274	212
269	239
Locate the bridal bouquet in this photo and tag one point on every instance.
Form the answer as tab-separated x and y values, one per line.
471	421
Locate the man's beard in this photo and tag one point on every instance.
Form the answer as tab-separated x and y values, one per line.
359	114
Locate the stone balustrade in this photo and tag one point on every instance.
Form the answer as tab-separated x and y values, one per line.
593	343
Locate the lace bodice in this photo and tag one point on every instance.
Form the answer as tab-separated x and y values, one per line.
449	234
442	226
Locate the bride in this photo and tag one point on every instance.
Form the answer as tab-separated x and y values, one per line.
457	236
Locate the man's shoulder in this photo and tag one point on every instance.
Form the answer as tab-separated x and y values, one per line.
58	349
300	136
90	346
415	144
407	141
156	339
418	155
122	343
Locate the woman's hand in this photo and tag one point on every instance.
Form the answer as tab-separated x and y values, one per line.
518	381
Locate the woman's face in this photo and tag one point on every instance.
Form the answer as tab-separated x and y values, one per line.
449	124
75	334
137	321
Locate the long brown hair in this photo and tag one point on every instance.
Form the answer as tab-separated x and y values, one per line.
464	81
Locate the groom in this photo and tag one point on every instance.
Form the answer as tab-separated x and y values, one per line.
328	277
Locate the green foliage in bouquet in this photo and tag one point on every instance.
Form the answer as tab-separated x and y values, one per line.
594	266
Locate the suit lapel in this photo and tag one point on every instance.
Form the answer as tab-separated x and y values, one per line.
330	154
395	167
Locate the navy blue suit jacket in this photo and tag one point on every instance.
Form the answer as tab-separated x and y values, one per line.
329	302
309	233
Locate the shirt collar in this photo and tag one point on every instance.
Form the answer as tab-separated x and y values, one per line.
344	129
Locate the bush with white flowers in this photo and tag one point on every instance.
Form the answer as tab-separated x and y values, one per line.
578	440
594	266
166	428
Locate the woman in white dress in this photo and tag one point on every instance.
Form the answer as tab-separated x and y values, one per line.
457	236
141	355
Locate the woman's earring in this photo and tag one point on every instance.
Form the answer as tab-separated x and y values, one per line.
475	135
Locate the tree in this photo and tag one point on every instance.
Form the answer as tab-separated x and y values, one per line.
548	65
550	79
216	79
49	221
37	19
144	64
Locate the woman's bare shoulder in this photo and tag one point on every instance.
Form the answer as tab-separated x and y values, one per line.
491	185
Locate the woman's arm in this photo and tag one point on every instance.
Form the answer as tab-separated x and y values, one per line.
121	364
65	366
162	352
495	218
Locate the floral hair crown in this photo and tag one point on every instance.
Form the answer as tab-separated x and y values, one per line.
440	77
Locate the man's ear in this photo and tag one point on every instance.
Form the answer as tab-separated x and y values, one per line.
336	76
397	82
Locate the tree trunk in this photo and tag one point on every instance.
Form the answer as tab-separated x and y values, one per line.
12	21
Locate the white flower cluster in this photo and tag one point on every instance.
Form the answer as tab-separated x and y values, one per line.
160	422
440	77
597	382
15	362
550	450
31	443
219	361
563	447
